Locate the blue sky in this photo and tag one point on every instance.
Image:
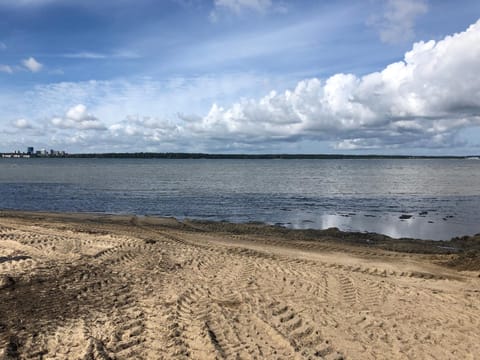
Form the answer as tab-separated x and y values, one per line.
373	76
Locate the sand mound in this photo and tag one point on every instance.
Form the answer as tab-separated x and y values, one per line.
78	287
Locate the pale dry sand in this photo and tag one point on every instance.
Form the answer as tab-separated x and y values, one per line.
93	287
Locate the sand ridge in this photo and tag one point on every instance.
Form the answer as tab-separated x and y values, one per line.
101	287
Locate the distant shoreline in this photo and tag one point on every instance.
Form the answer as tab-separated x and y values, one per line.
171	155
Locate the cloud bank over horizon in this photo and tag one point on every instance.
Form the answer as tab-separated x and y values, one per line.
422	101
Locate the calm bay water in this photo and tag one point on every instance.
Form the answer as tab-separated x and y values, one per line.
442	196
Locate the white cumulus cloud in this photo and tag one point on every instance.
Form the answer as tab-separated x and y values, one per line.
78	118
147	131
22	124
32	64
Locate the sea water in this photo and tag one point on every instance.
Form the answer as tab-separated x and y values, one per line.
419	198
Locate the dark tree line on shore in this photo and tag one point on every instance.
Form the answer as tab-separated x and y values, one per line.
150	155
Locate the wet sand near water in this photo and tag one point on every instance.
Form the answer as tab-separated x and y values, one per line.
83	286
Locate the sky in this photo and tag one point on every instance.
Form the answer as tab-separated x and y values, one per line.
241	76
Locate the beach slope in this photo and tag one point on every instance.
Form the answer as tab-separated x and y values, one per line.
121	287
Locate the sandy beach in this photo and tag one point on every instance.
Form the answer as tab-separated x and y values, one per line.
80	286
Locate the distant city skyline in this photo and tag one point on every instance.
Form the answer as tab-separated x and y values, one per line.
237	76
31	152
